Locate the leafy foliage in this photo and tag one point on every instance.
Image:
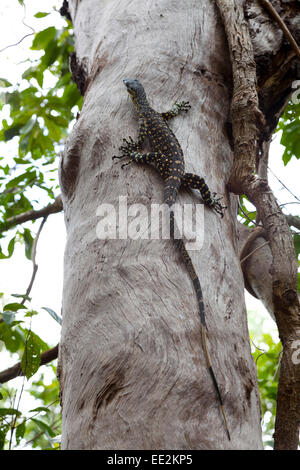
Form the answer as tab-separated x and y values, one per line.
22	341
39	109
289	124
37	427
266	353
39	118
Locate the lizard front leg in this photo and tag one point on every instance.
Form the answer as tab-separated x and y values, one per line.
176	109
129	145
193	181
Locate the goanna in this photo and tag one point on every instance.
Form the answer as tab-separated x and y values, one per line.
167	157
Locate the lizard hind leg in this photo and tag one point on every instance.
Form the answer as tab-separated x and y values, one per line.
192	181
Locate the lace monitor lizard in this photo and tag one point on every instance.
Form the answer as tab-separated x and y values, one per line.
168	159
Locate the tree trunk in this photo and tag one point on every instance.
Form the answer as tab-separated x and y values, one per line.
132	368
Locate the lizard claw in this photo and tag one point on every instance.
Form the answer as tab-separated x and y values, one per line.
183	105
217	206
125	164
118	156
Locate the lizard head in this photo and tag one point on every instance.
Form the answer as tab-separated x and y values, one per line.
135	90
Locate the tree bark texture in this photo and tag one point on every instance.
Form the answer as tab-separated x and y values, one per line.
132	369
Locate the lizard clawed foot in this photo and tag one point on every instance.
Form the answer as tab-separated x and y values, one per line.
216	205
183	105
128	147
125	164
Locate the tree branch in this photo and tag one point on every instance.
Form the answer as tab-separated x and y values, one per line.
53	208
293	221
16	370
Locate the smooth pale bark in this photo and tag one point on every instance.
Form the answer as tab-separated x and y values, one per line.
132	368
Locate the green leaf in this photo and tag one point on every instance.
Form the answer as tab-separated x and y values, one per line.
71	95
28	239
9	412
42	38
12	132
28	126
14	307
24	296
51	53
4	83
20	431
286	157
40	408
8	317
13	99
53	314
11	337
44	427
10	249
41	14
296	239
28	175
31	358
3	433
31	313
55	131
289	124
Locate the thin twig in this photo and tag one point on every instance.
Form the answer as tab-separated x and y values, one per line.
55	425
294	195
246	215
33	259
24	37
17	43
253	251
287	203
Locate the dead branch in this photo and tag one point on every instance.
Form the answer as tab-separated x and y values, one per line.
293	221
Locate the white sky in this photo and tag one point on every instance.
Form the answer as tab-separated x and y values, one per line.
16	272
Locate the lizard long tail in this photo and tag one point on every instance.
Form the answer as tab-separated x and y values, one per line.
197	286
